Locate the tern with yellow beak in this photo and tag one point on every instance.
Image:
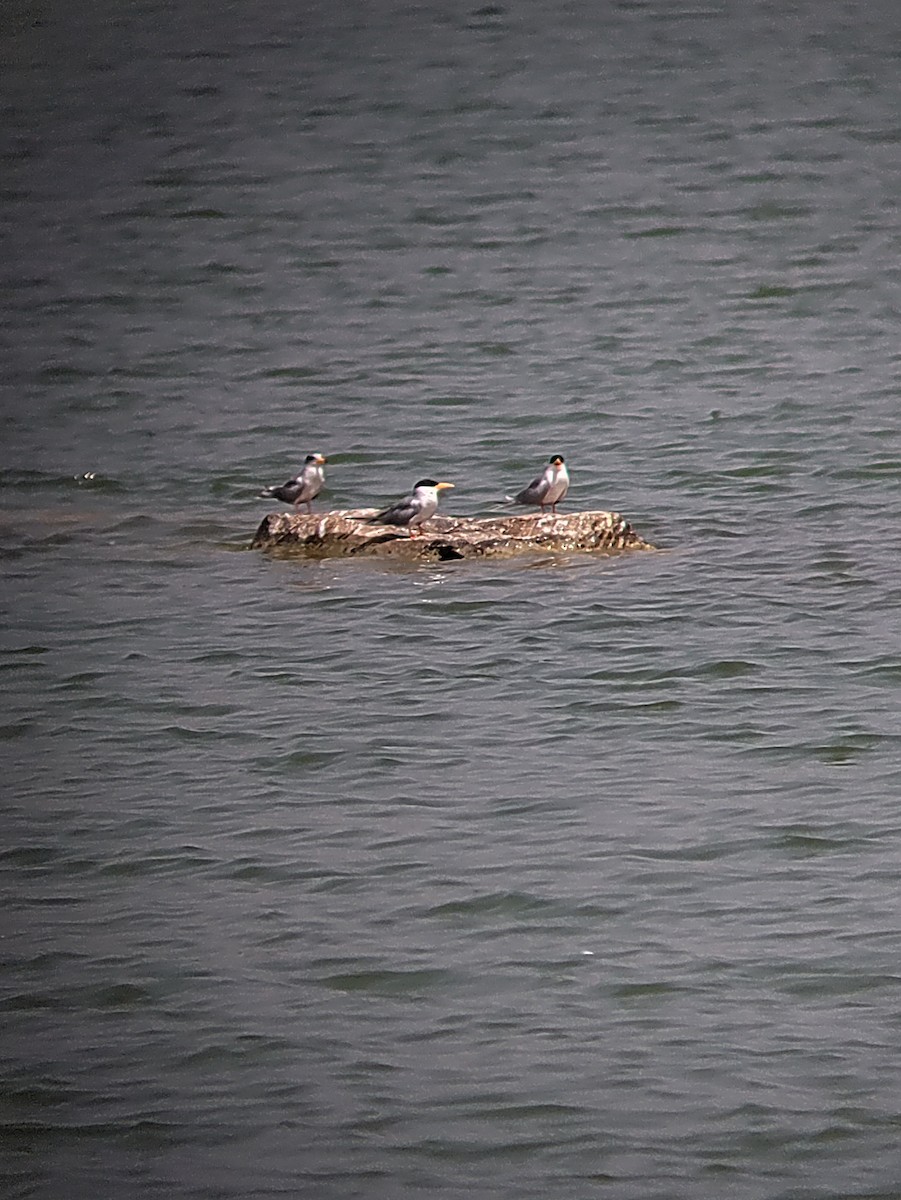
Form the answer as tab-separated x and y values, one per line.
303	488
549	488
414	510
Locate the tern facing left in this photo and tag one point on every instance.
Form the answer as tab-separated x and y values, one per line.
414	510
548	488
303	488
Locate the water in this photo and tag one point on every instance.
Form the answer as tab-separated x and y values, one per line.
568	877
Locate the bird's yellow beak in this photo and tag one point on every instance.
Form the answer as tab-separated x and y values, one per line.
320	458
440	486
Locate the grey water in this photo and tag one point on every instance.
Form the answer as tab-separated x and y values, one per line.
577	876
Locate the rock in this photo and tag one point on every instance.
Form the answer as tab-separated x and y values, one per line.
347	533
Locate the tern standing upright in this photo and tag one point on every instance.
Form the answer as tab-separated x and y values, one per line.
414	510
303	488
549	488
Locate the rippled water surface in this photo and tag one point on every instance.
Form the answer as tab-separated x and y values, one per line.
565	877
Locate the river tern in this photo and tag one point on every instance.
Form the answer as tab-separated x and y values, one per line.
414	510
546	489
303	488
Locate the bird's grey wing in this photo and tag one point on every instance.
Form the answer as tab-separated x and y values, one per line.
286	491
534	492
398	514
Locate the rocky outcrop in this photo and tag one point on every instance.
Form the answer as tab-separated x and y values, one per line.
348	533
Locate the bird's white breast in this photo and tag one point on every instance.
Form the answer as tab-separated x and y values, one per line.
558	481
428	504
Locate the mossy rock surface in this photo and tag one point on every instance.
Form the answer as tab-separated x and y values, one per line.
348	533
